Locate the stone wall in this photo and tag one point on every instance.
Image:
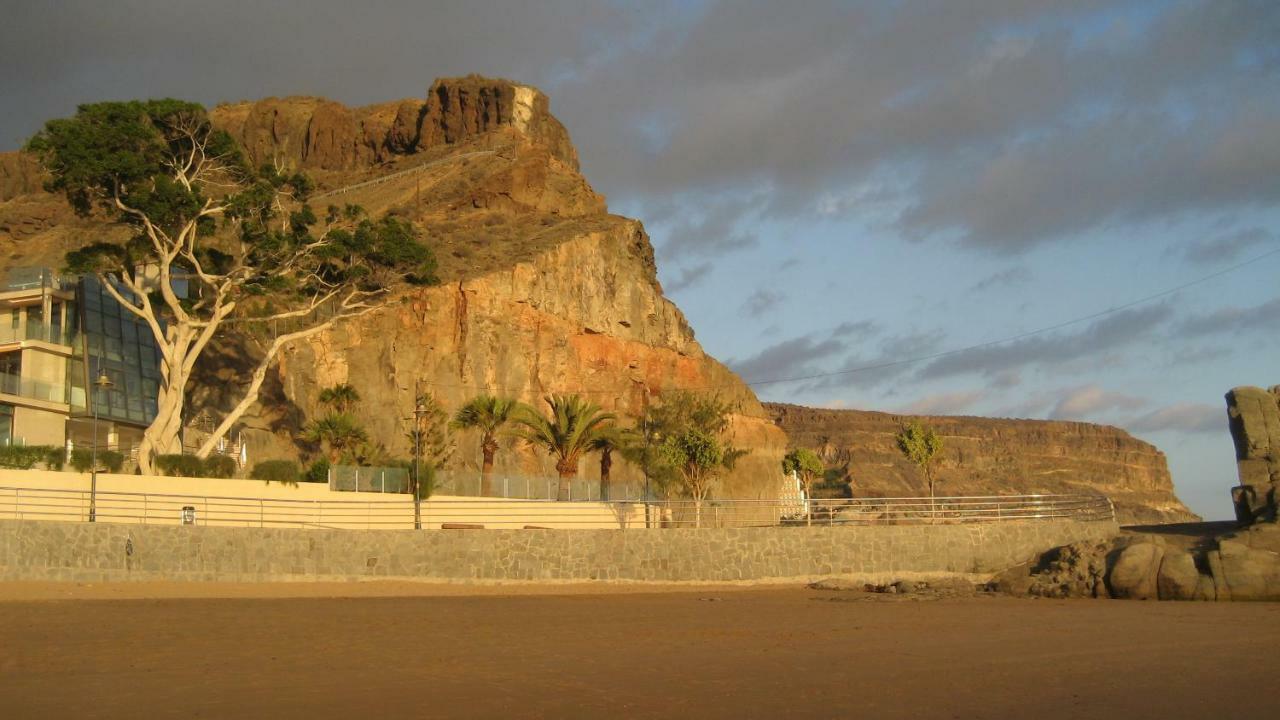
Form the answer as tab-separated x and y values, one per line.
35	550
1254	416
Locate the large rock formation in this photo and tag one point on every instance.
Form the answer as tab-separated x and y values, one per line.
1254	416
984	456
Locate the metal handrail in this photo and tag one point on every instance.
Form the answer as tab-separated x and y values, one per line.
146	507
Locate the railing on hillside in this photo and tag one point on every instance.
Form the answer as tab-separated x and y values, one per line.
397	511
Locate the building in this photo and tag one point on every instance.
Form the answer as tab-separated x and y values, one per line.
58	334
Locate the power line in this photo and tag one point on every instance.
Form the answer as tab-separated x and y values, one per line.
935	356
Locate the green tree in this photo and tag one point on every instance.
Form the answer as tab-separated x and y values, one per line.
489	415
341	397
339	433
806	465
572	428
242	239
431	438
921	445
610	439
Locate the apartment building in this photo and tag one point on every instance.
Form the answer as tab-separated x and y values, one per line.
58	334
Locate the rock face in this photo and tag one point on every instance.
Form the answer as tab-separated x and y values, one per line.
322	135
1255	427
984	456
1243	565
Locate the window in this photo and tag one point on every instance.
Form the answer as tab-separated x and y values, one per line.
6	424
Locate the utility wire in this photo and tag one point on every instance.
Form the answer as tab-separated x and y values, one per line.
934	356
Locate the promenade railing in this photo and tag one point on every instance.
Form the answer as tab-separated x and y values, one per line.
396	512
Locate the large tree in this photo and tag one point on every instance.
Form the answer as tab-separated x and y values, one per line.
252	253
489	415
566	434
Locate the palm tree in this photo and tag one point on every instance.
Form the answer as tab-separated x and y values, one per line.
488	414
341	397
611	438
339	432
570	431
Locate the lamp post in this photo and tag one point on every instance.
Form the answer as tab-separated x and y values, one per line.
419	411
102	383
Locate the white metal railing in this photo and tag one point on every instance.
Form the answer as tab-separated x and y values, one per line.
397	511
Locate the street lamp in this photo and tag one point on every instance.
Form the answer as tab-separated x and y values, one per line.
419	411
102	383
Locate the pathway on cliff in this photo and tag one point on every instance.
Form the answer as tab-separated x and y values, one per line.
408	171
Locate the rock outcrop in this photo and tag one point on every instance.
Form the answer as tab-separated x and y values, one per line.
1242	565
1254	416
985	456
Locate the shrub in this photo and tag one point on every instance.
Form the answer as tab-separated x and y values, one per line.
24	457
108	460
281	471
220	466
318	472
180	465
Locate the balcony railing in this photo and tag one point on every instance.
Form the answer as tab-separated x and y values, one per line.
56	336
35	389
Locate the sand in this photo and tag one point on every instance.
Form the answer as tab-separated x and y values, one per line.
391	650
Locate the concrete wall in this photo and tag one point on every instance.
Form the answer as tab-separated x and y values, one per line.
64	496
36	550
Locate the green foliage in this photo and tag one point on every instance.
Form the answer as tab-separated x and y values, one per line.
220	466
680	423
489	415
281	471
119	149
180	465
339	433
24	457
805	463
569	431
921	445
430	436
342	397
317	472
108	460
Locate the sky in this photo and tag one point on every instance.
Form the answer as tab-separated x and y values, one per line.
881	190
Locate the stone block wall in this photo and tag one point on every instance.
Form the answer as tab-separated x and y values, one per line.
38	550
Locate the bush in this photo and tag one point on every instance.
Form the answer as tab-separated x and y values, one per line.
24	457
220	466
109	460
281	471
318	472
180	465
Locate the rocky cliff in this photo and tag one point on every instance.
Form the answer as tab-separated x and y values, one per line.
543	291
1254	416
990	456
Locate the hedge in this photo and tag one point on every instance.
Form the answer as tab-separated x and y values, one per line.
281	471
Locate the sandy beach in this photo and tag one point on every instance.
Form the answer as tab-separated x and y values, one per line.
409	650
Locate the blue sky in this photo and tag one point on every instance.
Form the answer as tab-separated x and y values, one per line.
835	185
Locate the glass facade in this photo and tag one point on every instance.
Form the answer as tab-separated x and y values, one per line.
6	424
119	344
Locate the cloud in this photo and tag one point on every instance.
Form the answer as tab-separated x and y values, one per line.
1225	248
944	403
1183	417
1005	278
1082	403
1110	333
761	301
689	277
1232	320
1024	122
788	358
715	232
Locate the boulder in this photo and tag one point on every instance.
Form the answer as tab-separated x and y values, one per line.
1135	572
1179	578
